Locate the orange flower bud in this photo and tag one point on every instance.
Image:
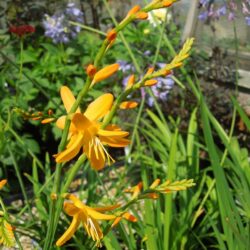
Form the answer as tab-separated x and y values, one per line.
47	120
111	35
2	183
105	72
153	196
128	105
142	15
130	82
167	3
155	183
150	71
134	10
129	217
150	82
50	112
91	70
53	196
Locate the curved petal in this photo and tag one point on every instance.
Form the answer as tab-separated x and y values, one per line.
115	142
70	231
99	216
99	107
70	152
112	127
68	98
60	123
114	133
70	209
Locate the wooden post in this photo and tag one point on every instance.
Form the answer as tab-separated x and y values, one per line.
189	28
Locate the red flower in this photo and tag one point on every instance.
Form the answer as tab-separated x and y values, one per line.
21	30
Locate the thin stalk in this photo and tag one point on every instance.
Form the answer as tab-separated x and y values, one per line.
231	131
88	28
20	180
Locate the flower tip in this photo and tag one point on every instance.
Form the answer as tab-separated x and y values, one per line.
128	105
91	70
111	35
134	10
2	183
105	72
142	15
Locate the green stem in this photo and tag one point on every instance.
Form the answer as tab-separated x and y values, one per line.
231	131
20	180
88	28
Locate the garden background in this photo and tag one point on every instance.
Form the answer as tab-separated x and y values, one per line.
182	181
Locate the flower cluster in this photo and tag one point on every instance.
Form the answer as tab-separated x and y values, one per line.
213	11
58	26
21	30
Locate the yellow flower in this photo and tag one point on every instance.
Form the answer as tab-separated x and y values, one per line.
88	216
86	132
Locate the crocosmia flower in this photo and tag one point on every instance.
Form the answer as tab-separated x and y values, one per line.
58	26
86	131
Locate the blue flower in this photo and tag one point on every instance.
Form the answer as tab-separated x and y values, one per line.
58	26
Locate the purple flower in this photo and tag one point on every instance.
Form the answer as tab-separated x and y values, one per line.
161	89
222	11
247	18
125	66
203	16
58	26
204	2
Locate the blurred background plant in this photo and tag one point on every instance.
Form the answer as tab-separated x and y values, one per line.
182	134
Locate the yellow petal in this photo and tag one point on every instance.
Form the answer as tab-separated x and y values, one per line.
128	105
60	123
105	72
70	209
81	122
112	127
70	231
99	107
70	152
115	142
68	98
2	183
114	133
99	216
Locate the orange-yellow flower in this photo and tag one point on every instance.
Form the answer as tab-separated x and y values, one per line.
87	216
86	132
